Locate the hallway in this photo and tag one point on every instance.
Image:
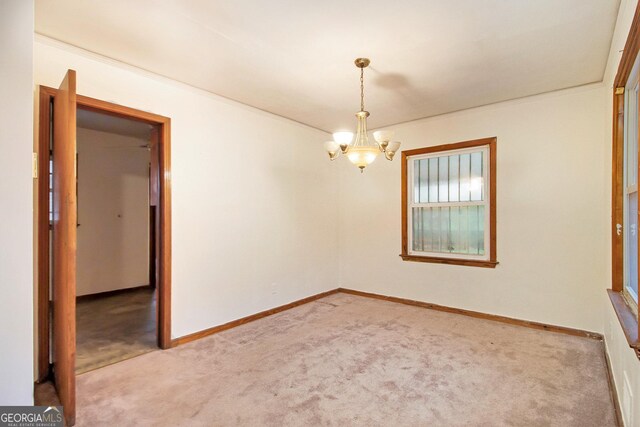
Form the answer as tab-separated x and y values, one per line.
114	328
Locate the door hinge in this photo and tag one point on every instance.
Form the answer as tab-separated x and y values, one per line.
34	166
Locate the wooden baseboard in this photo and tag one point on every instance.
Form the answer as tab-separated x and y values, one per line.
214	330
89	297
526	323
612	388
479	315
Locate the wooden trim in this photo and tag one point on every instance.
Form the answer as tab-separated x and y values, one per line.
214	330
517	322
46	94
106	294
164	239
617	202
612	388
628	319
493	155
152	246
478	315
117	110
44	132
451	261
448	147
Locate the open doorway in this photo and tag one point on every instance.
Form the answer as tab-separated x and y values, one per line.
58	227
115	281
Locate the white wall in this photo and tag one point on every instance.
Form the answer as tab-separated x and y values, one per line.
16	193
254	197
258	221
552	214
625	364
113	212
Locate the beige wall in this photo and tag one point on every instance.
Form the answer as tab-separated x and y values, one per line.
254	207
626	366
113	212
258	220
16	193
552	214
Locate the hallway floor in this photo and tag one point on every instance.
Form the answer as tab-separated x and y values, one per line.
115	328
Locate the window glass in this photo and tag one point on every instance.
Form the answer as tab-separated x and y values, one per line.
630	225
449	211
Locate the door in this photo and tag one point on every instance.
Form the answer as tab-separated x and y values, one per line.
64	244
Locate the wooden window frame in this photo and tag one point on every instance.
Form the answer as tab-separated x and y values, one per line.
627	317
491	143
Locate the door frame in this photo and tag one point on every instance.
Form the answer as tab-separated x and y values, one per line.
163	279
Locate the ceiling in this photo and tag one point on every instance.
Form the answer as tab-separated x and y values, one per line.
295	58
106	123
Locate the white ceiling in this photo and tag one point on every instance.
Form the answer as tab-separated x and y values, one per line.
295	57
105	123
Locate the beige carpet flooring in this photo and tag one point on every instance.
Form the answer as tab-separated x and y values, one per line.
352	361
114	328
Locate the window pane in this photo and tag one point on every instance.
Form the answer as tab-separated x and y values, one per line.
433	180
632	245
424	181
443	179
476	181
453	230
454	178
630	220
631	137
417	233
465	172
416	181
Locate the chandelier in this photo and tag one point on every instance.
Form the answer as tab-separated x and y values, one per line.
360	151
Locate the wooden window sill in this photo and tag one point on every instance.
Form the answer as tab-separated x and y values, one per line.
627	318
451	261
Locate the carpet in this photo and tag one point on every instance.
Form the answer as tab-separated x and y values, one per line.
347	360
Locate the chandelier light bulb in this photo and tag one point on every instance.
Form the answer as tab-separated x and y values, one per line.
332	148
383	137
344	139
391	149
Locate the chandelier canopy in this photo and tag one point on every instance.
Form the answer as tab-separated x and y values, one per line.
359	150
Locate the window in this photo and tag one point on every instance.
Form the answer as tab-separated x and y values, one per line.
630	191
624	188
448	207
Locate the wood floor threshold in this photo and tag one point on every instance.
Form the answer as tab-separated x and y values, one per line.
479	315
214	330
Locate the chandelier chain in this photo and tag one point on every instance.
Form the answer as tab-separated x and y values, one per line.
361	89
